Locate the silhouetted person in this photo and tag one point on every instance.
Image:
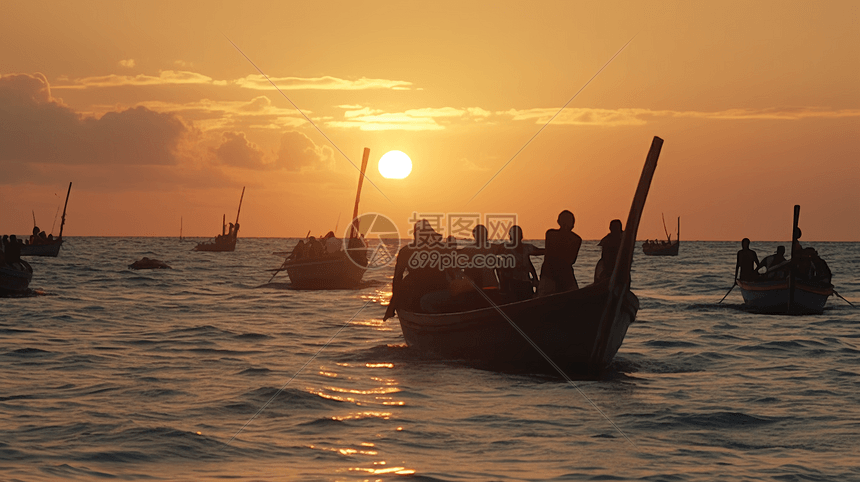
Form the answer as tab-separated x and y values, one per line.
331	243
562	248
297	253
520	281
414	276
483	277
314	249
13	250
774	261
610	243
747	262
796	248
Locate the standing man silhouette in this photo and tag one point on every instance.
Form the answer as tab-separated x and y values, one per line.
562	248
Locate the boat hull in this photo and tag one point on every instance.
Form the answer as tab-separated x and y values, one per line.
326	273
565	326
15	279
49	249
217	246
772	296
661	250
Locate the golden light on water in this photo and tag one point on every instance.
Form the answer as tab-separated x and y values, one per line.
395	165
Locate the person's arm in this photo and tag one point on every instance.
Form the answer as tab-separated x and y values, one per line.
737	265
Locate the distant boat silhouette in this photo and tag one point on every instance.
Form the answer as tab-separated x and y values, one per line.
579	330
44	247
341	270
663	248
794	294
224	241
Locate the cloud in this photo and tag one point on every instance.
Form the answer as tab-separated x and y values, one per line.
35	127
299	152
634	116
423	119
165	77
259	82
128	63
237	151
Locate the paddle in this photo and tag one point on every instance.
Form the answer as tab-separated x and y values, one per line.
730	290
278	270
843	299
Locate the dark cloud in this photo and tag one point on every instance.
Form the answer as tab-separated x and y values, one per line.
299	151
35	127
235	150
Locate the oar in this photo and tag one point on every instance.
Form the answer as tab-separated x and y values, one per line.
730	290
843	299
278	270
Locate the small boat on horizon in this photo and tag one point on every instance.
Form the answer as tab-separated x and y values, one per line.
226	241
663	248
51	246
580	331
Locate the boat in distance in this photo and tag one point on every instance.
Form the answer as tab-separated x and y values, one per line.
226	241
47	247
663	248
580	331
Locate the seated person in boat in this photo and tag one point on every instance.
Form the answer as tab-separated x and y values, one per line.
521	281
482	277
811	267
747	262
332	243
297	253
610	244
562	249
13	250
775	264
314	248
415	275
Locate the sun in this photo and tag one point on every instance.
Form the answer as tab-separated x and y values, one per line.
395	165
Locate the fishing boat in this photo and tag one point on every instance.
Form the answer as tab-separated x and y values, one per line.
15	277
47	247
664	248
343	269
782	297
579	331
226	241
792	294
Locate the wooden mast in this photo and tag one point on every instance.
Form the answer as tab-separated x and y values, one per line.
619	283
240	204
793	254
63	219
353	231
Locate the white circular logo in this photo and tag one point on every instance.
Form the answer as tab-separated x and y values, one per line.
377	237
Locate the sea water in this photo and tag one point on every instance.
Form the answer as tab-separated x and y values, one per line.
199	373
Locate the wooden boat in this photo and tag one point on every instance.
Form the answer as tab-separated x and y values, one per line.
226	241
663	248
781	297
48	247
15	277
341	270
791	295
580	331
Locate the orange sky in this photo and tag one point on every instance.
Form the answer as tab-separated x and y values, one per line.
154	116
